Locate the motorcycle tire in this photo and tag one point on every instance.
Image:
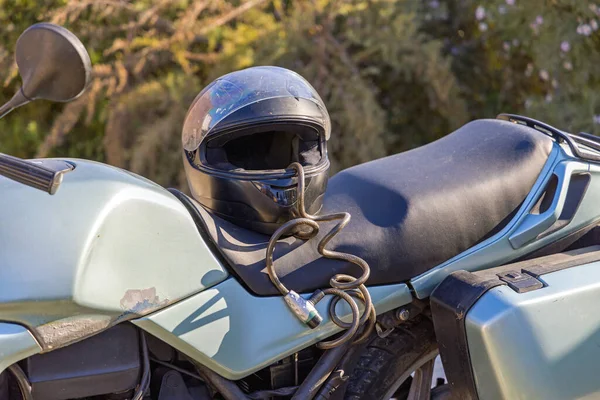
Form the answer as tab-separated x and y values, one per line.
385	365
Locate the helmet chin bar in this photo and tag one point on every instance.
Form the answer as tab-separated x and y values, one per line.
257	201
284	196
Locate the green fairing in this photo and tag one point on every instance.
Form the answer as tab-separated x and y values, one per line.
235	333
108	246
16	343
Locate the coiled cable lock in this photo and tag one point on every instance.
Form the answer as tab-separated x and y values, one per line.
343	286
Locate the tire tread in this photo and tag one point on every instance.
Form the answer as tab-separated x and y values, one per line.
384	360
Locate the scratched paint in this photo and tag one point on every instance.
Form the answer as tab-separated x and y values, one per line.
140	301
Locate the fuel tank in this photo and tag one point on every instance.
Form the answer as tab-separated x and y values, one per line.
107	247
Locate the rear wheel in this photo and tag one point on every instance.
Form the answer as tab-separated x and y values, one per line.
385	366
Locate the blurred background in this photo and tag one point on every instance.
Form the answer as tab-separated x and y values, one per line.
394	74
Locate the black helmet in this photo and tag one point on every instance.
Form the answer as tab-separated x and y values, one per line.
239	136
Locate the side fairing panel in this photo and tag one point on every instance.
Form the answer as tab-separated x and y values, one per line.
109	245
543	344
16	343
235	333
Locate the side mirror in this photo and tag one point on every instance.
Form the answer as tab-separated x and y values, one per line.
53	65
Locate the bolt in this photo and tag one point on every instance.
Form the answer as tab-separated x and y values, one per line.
403	314
173	380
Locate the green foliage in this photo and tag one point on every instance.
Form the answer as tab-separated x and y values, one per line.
394	74
536	57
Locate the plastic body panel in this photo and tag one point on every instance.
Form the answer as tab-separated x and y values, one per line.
108	246
16	343
235	333
498	249
543	344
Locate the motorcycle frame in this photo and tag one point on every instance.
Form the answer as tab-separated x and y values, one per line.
235	333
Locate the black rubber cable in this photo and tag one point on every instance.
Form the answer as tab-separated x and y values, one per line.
259	395
226	388
342	286
22	381
268	394
321	371
176	368
145	381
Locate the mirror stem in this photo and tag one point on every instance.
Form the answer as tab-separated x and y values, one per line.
17	100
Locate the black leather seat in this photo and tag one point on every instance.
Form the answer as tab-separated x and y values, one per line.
410	212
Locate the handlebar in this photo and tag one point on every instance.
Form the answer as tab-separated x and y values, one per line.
31	174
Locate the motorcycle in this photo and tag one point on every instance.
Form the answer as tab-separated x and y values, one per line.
483	247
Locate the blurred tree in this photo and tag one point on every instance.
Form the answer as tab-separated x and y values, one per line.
22	133
387	85
395	74
536	57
